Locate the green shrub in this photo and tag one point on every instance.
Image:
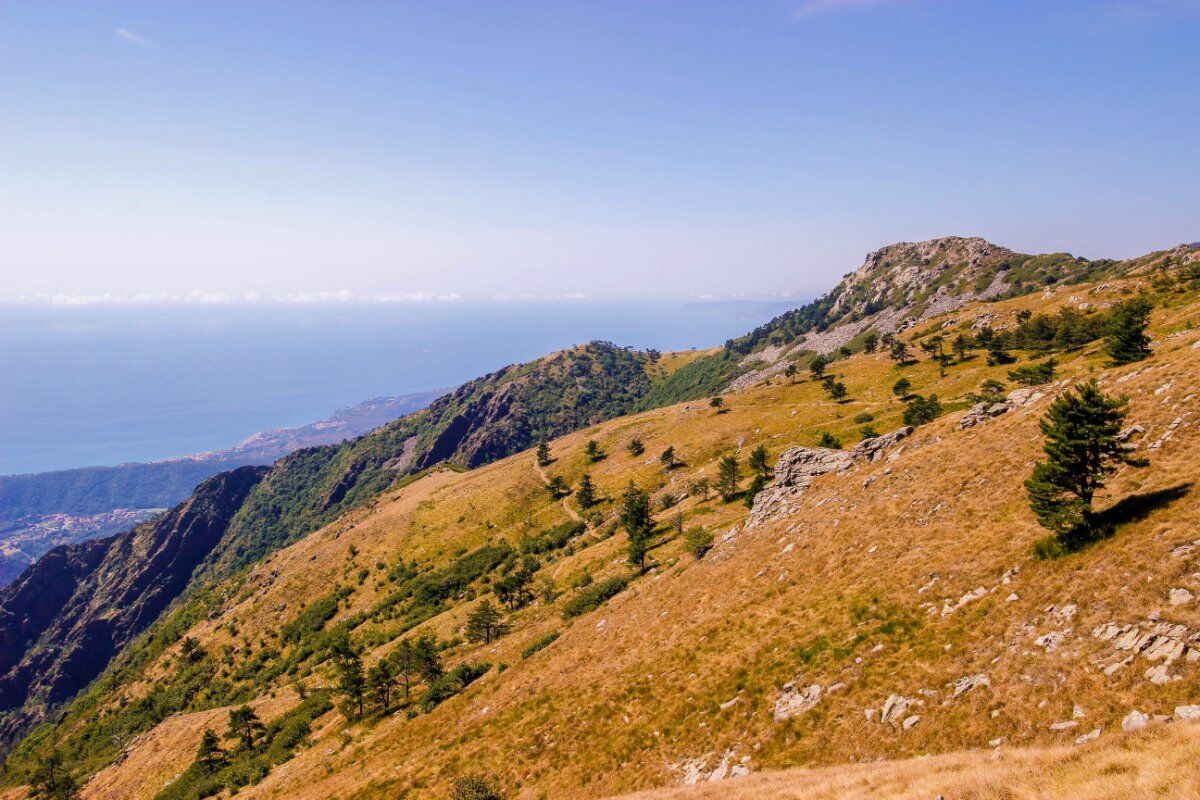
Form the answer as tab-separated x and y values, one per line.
827	439
699	541
452	683
593	596
540	644
920	410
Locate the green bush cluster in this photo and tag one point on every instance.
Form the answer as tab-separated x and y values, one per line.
592	597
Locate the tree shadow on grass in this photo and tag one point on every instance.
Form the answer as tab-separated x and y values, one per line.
1104	524
1137	507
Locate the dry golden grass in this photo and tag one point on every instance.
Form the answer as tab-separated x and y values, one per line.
1161	763
687	662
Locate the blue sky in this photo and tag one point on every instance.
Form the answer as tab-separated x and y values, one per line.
477	149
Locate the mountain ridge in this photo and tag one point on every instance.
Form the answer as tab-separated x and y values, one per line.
357	503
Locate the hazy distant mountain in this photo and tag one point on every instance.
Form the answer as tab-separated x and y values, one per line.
39	511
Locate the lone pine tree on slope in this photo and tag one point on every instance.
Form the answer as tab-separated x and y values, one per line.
1082	449
1126	340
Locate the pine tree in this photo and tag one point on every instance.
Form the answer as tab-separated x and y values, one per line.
717	403
902	387
997	351
210	756
871	342
837	390
636	448
351	683
756	486
816	367
585	495
729	475
1034	374
404	663
935	346
427	658
543	454
667	459
700	487
244	725
790	372
1126	340
557	487
639	524
899	352
382	680
485	624
960	345
593	451
50	778
758	461
1082	449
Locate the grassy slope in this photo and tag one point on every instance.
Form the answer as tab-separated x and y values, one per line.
830	594
1157	763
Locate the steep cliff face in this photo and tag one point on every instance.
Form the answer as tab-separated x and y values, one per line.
64	619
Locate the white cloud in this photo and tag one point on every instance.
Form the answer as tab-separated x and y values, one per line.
813	8
200	297
135	39
510	298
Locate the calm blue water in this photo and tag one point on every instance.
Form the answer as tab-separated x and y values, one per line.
106	385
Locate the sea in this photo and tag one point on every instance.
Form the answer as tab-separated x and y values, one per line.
110	384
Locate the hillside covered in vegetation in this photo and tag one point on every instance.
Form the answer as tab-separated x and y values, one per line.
867	557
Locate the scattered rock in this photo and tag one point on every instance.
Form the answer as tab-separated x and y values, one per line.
969	682
794	701
1179	597
1090	736
1019	398
1187	712
1130	432
894	707
699	770
969	597
1134	721
1052	640
1065	725
910	721
1160	675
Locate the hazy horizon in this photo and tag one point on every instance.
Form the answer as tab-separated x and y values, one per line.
95	385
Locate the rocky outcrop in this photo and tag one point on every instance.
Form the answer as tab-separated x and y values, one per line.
794	700
797	466
982	412
1160	642
64	620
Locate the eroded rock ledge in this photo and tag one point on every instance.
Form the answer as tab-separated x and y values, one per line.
798	465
